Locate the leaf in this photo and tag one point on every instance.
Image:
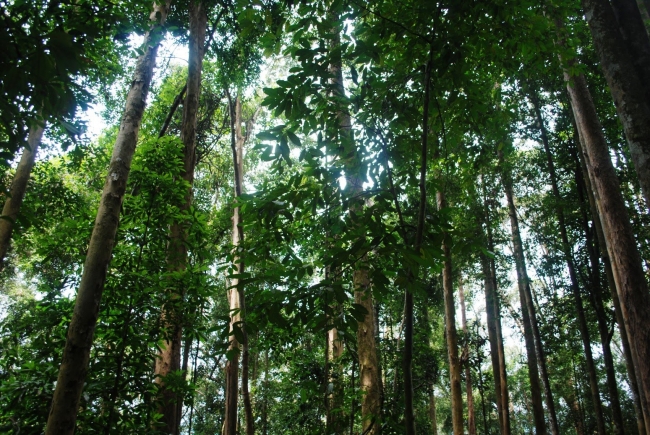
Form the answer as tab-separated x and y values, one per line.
266	135
294	139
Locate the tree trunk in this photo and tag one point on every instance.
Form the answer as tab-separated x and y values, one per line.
471	415
334	421
169	358
582	321
617	229
369	381
599	248
18	187
495	337
409	415
625	84
596	297
265	405
450	328
235	290
527	307
76	354
480	384
498	370
635	37
432	411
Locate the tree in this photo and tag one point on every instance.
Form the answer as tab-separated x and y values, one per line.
621	246
74	365
168	362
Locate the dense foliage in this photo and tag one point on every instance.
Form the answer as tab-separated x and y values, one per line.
454	102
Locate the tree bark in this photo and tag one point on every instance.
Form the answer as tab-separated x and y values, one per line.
235	290
621	245
471	415
172	111
582	321
493	314
596	296
334	421
19	187
432	411
169	357
499	371
450	328
635	38
527	307
409	415
76	354
599	246
626	86
369	381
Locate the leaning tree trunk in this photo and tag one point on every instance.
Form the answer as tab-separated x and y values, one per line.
582	179
18	187
582	321
76	354
169	357
471	415
625	84
527	307
619	236
369	380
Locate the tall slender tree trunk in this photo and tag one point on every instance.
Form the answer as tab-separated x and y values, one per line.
527	307
450	329
265	404
169	357
582	321
76	354
235	290
238	159
471	415
582	179
409	415
369	380
495	338
617	229
498	370
19	187
334	421
432	411
625	84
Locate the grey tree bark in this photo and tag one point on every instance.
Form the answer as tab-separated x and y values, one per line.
19	187
471	414
74	365
527	307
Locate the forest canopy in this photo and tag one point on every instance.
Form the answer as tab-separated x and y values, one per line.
325	217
